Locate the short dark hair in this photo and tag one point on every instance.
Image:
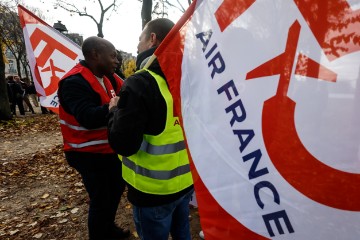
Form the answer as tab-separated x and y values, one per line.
160	26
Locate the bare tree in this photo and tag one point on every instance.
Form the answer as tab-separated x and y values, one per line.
146	11
5	112
178	4
26	66
11	39
72	7
160	8
12	36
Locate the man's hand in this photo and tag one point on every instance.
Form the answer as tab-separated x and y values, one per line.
113	102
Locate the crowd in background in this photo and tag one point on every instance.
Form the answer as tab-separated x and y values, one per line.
22	93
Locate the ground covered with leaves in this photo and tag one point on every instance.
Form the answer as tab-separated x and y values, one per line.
41	197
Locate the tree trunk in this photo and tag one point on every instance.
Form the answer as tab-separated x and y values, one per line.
5	112
24	64
18	66
31	76
100	31
146	12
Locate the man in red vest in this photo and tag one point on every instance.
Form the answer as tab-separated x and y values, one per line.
84	94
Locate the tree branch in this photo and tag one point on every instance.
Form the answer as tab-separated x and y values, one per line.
181	8
75	9
101	6
71	7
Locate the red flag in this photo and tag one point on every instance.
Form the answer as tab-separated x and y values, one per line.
50	55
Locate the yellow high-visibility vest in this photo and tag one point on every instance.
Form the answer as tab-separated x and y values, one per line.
161	166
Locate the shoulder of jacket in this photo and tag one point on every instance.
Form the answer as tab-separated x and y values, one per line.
141	82
74	83
76	79
141	77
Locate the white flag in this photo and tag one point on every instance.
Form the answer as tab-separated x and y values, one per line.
50	55
269	97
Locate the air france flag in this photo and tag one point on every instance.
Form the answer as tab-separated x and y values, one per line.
268	93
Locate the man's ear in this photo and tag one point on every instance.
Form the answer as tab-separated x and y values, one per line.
94	54
153	40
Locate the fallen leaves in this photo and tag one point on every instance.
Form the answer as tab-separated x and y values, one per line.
63	220
13	232
39	188
37	123
134	233
46	195
74	210
41	196
38	235
32	224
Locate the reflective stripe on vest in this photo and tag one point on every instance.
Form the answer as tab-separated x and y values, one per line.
156	174
79	138
163	149
161	165
86	144
79	127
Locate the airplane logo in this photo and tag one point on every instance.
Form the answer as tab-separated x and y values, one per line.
294	162
54	79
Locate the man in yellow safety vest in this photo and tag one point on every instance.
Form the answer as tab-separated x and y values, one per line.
150	142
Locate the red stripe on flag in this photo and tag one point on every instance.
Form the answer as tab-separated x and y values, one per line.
170	55
230	10
217	223
333	23
309	68
51	45
27	17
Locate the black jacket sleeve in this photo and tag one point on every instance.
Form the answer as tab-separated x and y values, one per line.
79	99
140	110
127	121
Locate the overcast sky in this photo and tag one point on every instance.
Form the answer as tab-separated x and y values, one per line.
122	29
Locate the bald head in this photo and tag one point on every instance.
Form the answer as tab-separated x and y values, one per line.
94	44
100	55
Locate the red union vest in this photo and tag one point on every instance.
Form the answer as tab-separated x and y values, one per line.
76	137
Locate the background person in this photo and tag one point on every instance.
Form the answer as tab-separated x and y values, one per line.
33	94
117	71
17	94
26	99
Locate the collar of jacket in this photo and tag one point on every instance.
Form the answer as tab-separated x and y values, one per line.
154	66
82	62
144	55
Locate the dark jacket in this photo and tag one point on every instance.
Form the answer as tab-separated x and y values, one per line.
10	93
32	89
140	110
78	98
16	89
25	87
